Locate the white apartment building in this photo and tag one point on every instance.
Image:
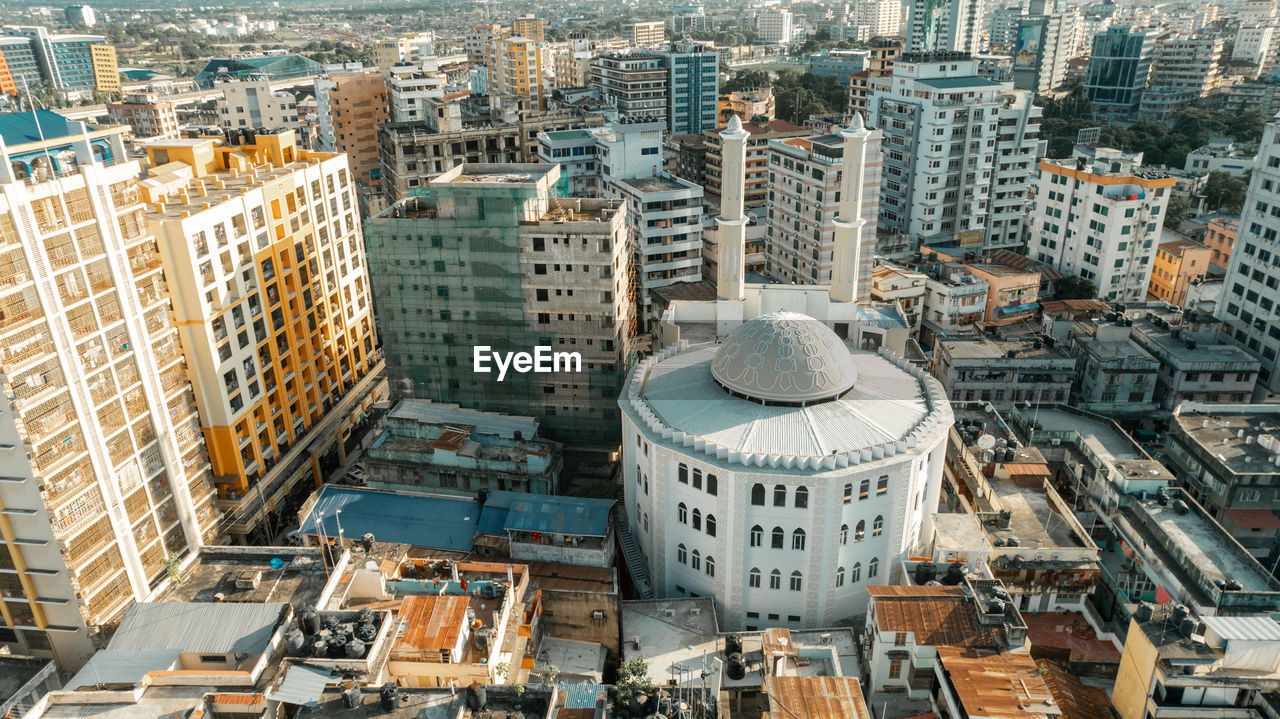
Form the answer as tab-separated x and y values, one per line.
251	104
882	18
953	299
944	26
1099	216
958	149
1187	63
775	26
104	479
572	65
803	199
642	34
411	88
1248	306
1043	68
1253	44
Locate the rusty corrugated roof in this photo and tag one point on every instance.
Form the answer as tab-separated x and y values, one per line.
937	616
815	698
433	623
1003	685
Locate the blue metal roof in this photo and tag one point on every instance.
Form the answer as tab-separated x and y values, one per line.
19	128
523	512
582	696
404	518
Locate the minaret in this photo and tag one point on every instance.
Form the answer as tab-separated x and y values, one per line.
732	222
848	234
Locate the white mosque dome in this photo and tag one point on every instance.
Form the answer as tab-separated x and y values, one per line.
784	357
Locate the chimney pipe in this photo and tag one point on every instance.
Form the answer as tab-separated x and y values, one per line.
732	222
849	222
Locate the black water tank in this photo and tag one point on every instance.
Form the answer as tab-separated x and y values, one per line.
732	644
926	572
366	541
389	696
350	694
355	649
310	621
955	574
477	698
737	666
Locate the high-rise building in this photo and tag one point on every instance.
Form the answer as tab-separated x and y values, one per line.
635	84
262	249
21	61
476	44
1252	280
686	19
1043	42
775	26
693	86
1119	67
804	199
357	104
252	104
1190	63
572	64
146	115
106	481
75	65
1003	30
643	34
106	71
497	259
394	50
958	152
515	70
756	188
1099	216
944	26
882	18
81	15
529	26
411	88
882	54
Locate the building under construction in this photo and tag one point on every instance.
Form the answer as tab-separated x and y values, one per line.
491	259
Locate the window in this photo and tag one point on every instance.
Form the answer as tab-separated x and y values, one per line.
844	534
797	581
864	489
695	560
802	498
682	474
682	554
682	513
861	532
777	537
882	485
900	639
848	493
775	579
873	568
797	539
757	535
697	519
712	485
840	577
757	495
697	479
779	496
895	668
855	574
711	525
710	567
878	526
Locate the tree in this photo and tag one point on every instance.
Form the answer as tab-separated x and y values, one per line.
1176	213
1224	190
1074	288
633	680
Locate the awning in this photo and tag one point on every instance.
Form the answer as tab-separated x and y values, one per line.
1018	308
1027	468
1254	518
302	686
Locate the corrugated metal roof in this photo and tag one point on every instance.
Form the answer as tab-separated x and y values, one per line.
935	618
523	512
815	698
214	628
1007	685
1257	629
114	666
406	518
432	625
582	696
302	686
421	410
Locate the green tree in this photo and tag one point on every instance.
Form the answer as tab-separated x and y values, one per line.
744	80
1177	212
633	680
1074	288
1224	191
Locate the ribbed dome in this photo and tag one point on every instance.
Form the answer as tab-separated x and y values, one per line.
784	357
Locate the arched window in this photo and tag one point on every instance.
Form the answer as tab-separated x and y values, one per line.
711	567
753	578
682	554
646	521
697	478
882	484
775	579
778	534
873	567
844	534
697	519
878	526
712	485
840	577
682	473
797	581
779	496
682	513
861	532
864	489
711	525
855	574
848	493
802	498
757	495
797	539
695	560
757	536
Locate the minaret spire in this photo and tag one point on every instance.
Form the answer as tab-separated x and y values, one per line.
849	222
732	222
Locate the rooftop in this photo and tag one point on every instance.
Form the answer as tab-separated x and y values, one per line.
432	625
413	704
816	697
249	574
665	629
997	686
1167	344
981	347
660	183
1245	439
16	671
428	412
1201	541
213	627
957	83
24	128
1105	440
937	616
566	135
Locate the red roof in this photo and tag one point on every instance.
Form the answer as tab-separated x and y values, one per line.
1254	518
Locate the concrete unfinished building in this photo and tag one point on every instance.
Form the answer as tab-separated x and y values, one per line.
495	256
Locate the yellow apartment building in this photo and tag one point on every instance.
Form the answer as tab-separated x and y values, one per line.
262	245
106	71
1178	262
515	69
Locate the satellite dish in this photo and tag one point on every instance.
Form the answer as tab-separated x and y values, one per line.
987	441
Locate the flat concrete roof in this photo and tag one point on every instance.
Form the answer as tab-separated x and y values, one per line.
1104	440
1219	430
659	183
1202	542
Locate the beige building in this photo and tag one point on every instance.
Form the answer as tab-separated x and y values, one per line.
515	70
146	115
530	27
645	33
106	70
262	246
358	103
390	51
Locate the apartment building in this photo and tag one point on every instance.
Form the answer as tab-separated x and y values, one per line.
1187	63
1193	366
529	26
20	62
883	53
1179	261
777	26
106	483
76	66
1003	372
635	83
357	105
577	154
756	191
389	51
757	105
1119	67
476	44
1099	216
943	26
410	88
496	257
952	175
1044	41
261	243
252	104
1220	237
515	70
803	198
693	87
572	64
146	115
641	34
